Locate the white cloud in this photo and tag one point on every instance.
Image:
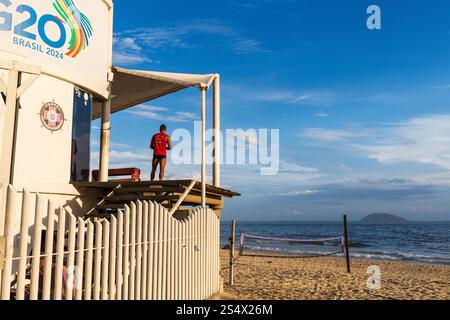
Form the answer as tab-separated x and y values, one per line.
330	135
146	107
299	193
162	114
258	4
287	167
322	115
129	58
446	86
127	51
114	145
131	46
293	97
343	167
246	45
120	145
423	140
239	93
95	143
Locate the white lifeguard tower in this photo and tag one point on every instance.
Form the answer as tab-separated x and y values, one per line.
56	76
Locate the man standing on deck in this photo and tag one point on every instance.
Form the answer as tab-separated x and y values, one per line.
160	144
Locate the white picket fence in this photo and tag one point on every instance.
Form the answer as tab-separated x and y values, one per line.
143	253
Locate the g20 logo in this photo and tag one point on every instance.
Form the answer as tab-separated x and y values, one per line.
73	27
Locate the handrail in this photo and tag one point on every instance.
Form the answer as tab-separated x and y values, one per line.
183	196
103	200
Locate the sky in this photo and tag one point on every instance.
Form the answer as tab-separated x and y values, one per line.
363	114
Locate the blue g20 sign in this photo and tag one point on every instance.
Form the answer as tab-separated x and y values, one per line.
72	27
22	28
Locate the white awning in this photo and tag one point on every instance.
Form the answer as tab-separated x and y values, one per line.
133	87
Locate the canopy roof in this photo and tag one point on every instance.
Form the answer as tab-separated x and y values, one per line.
133	87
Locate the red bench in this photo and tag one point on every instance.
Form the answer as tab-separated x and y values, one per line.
135	174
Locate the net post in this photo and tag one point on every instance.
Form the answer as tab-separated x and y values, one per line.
232	242
347	254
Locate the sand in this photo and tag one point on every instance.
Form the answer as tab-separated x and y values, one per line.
281	278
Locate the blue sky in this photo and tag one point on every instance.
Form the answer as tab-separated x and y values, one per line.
364	115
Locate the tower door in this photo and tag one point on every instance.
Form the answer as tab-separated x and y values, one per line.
81	136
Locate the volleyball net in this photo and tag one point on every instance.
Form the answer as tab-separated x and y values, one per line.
292	246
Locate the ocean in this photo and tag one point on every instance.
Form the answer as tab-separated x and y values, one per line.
410	242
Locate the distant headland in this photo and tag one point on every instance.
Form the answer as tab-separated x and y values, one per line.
383	218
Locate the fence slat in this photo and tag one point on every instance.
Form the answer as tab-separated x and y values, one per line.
9	243
172	258
47	279
208	254
199	254
126	253
23	247
217	250
204	253
164	241
105	260
60	254
132	280
137	289
37	241
213	251
159	235
196	254
97	260
168	257
119	268
204	261
176	266
89	261
183	259
188	261
201	280
180	260
71	270
112	258
144	282
186	258
211	247
191	257
80	258
155	252
151	256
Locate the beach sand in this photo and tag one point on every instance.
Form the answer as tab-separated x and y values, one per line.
281	278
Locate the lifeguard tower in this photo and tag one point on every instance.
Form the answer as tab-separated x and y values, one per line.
56	76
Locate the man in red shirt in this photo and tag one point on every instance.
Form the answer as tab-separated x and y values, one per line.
160	144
